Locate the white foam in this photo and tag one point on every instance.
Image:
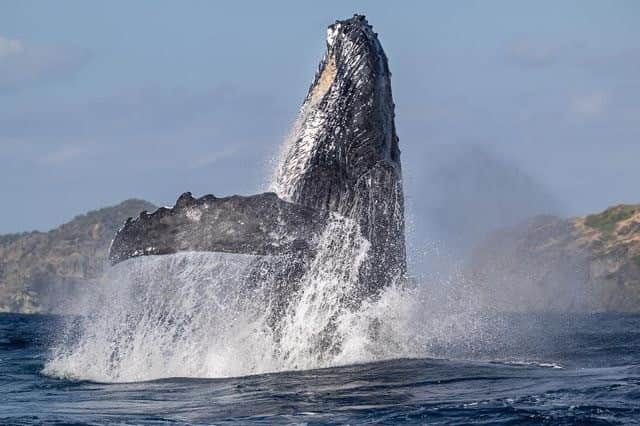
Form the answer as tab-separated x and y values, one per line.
189	315
185	315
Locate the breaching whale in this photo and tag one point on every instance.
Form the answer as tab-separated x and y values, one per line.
341	161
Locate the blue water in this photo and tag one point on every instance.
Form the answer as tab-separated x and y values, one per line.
562	370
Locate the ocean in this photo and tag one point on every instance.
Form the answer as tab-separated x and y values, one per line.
557	369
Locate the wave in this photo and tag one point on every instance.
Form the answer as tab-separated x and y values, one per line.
529	363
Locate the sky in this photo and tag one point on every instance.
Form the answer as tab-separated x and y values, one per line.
104	101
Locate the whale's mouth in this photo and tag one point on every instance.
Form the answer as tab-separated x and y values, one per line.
325	80
329	67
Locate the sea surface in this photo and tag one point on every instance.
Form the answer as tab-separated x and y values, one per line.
573	370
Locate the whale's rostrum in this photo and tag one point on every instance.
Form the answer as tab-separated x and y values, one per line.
343	154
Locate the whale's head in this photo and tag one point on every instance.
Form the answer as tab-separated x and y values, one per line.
343	154
345	127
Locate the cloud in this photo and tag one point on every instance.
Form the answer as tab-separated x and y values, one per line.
214	157
153	143
65	154
22	65
620	62
591	105
525	53
10	47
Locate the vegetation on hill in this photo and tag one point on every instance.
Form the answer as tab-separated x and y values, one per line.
9	238
608	219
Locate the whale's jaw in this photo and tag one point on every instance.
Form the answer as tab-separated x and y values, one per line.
343	154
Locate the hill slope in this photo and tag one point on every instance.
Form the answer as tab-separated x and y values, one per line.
39	270
589	263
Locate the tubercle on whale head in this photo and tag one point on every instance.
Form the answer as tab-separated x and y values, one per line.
347	43
357	21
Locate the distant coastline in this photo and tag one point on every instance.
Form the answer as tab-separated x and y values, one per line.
589	263
548	263
39	271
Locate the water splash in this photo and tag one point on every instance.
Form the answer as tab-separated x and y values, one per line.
189	315
164	316
309	337
192	314
205	314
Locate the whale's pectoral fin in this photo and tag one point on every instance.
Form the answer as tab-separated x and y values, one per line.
260	224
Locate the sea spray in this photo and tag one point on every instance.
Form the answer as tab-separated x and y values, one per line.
191	314
164	316
309	330
185	315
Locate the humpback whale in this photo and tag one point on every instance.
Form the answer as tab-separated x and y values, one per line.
341	162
